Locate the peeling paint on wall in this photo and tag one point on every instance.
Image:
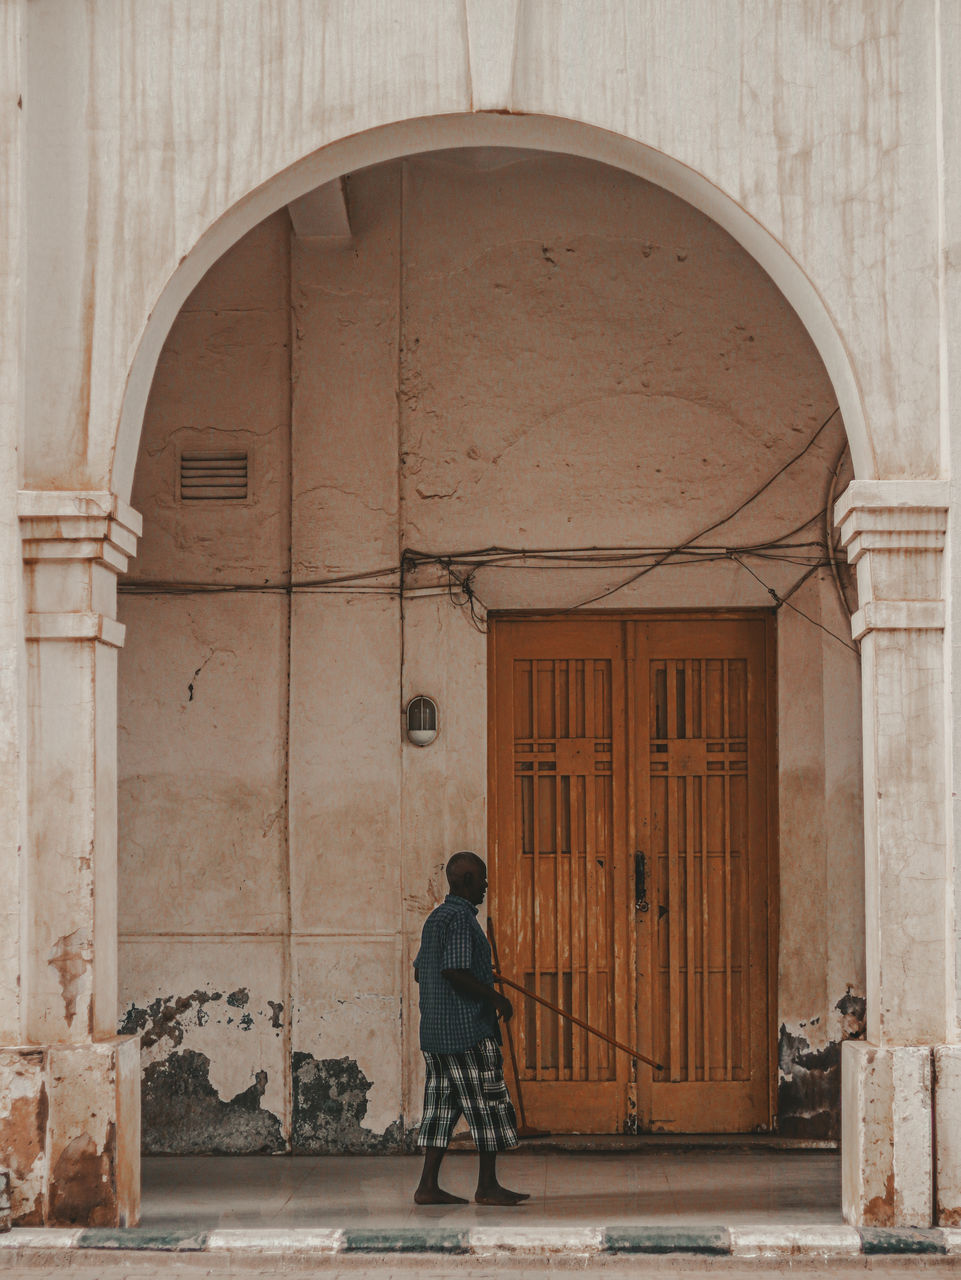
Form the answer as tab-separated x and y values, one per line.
183	1114
163	1018
23	1136
330	1103
809	1079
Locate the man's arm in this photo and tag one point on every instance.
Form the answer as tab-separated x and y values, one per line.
466	984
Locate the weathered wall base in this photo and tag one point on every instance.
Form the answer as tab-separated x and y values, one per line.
809	1073
329	1107
947	1133
70	1132
886	1140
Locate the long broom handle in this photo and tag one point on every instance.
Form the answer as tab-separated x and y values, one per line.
625	1048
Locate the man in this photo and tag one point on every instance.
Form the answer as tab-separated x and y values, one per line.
460	1039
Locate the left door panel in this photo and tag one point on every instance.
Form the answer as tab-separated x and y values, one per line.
558	860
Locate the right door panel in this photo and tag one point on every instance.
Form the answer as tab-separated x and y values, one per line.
702	873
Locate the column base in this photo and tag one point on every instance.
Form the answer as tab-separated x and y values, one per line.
70	1132
947	1133
886	1141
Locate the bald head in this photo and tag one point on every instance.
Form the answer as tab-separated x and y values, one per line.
467	876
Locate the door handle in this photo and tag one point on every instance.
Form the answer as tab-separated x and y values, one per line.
640	883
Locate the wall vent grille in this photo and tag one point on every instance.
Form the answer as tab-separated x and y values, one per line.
219	476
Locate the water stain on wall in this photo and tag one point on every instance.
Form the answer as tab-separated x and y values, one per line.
82	1185
183	1114
71	958
809	1083
329	1105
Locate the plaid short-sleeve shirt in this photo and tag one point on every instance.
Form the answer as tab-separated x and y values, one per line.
452	939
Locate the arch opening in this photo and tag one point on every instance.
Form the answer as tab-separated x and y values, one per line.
562	136
518	370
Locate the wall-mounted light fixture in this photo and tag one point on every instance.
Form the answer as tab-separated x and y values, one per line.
421	717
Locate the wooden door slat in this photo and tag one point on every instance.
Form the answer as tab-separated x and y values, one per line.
728	1011
535	1051
705	907
558	900
593	949
705	934
690	922
579	903
632	746
674	915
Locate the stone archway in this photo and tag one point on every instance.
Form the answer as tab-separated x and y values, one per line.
535	133
872	496
613	333
77	532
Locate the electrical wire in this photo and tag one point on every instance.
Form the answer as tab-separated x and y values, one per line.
780	600
461	568
829	531
717	524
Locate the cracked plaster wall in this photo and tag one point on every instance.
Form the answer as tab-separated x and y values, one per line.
514	349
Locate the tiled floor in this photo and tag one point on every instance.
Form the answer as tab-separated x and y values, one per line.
675	1187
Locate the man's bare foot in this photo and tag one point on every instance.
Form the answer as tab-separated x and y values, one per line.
434	1195
499	1195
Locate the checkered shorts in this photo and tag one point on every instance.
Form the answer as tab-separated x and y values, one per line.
470	1084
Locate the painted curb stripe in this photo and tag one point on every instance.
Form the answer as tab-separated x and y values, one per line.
786	1242
41	1238
162	1241
709	1240
540	1240
902	1240
406	1240
306	1240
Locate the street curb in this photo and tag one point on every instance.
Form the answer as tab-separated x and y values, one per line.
638	1239
747	1242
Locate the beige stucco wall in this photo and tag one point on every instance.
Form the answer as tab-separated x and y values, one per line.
513	349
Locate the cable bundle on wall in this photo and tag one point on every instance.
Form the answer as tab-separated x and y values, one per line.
462	567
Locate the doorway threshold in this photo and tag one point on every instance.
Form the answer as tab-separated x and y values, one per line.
636	1143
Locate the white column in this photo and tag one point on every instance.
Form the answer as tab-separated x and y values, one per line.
895	536
12	660
80	1078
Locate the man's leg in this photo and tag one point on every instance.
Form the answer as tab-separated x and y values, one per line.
428	1191
441	1110
487	1107
489	1190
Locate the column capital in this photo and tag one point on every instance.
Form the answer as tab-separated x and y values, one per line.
75	544
894	531
60	524
892	515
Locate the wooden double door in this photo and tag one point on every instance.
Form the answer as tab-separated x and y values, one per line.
632	865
